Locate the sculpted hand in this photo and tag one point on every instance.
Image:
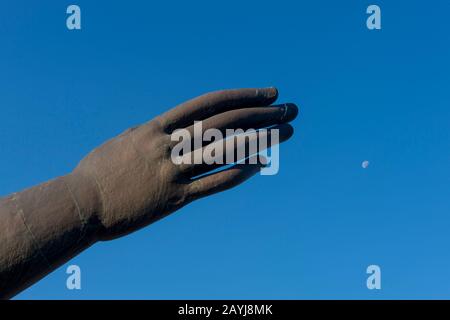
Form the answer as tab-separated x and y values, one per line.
134	180
137	181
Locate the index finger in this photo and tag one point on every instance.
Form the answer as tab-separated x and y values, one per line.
214	103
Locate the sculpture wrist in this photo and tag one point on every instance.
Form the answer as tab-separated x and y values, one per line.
43	227
87	198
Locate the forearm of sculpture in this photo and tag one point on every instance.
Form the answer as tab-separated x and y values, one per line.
43	227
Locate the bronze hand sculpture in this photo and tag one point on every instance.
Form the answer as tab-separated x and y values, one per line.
124	185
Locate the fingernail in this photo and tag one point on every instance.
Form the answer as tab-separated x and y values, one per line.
290	112
271	92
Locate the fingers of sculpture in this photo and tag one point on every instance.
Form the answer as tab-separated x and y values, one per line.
222	180
230	150
213	103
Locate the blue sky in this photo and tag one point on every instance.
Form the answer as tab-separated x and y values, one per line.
309	231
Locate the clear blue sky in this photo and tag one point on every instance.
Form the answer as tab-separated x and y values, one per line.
308	232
